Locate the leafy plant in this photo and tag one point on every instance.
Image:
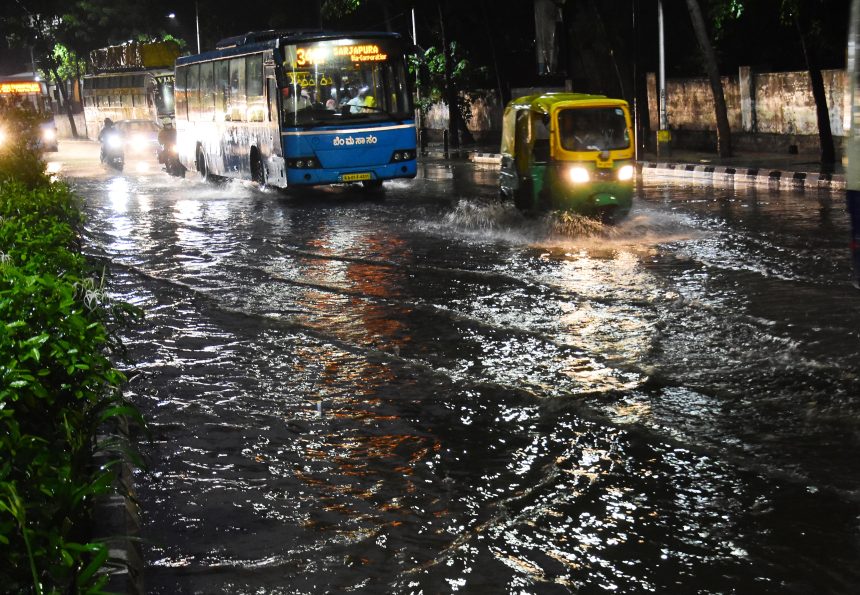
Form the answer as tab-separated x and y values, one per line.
58	386
429	68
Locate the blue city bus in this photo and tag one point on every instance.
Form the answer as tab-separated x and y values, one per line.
297	108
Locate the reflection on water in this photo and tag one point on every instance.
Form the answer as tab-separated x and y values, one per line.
434	394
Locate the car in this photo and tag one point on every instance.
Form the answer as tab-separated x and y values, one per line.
140	137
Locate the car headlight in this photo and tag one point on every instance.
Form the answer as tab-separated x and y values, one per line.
2	137
578	175
138	142
49	134
625	173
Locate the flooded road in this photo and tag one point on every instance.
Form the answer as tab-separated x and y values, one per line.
431	393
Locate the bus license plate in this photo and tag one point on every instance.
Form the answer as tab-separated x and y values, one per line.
355	177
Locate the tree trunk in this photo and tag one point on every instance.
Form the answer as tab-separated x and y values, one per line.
62	87
825	135
493	54
78	78
450	91
822	112
724	137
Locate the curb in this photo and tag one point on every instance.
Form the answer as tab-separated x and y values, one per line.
117	522
493	158
719	175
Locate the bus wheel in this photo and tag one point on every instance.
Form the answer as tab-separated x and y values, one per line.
201	165
258	171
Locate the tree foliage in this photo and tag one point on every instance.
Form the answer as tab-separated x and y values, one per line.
428	68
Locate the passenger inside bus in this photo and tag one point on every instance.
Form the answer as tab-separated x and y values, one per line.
294	103
356	102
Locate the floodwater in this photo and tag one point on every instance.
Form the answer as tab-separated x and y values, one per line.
431	393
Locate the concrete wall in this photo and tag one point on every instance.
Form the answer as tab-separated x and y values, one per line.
64	130
767	111
485	122
784	103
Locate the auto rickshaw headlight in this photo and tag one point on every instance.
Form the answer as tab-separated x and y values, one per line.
625	173
578	175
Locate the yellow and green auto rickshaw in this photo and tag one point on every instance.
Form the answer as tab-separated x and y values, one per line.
568	151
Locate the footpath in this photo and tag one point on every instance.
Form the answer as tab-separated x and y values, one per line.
777	171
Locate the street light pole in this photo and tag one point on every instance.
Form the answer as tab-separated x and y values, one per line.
197	21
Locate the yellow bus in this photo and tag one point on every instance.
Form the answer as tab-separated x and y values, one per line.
29	89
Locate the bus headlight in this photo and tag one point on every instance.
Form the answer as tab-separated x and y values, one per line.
625	173
403	155
49	134
303	163
578	175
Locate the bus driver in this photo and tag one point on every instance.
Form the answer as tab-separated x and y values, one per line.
294	103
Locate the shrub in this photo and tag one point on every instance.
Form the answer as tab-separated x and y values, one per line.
58	388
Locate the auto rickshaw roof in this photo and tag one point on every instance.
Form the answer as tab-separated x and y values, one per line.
544	102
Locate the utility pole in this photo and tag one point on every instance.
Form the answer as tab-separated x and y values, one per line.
197	21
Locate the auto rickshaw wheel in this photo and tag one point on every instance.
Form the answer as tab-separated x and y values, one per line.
523	194
608	215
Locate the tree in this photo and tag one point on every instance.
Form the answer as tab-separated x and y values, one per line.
62	31
808	31
724	137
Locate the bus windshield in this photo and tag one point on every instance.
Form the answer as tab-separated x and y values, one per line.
593	129
327	82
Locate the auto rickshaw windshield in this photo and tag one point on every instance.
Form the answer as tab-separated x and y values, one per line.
593	129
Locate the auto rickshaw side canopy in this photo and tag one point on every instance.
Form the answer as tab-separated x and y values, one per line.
546	104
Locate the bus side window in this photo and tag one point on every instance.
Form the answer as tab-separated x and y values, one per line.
273	99
207	92
254	79
193	88
237	89
222	68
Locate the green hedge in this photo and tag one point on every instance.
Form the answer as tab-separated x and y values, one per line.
58	386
